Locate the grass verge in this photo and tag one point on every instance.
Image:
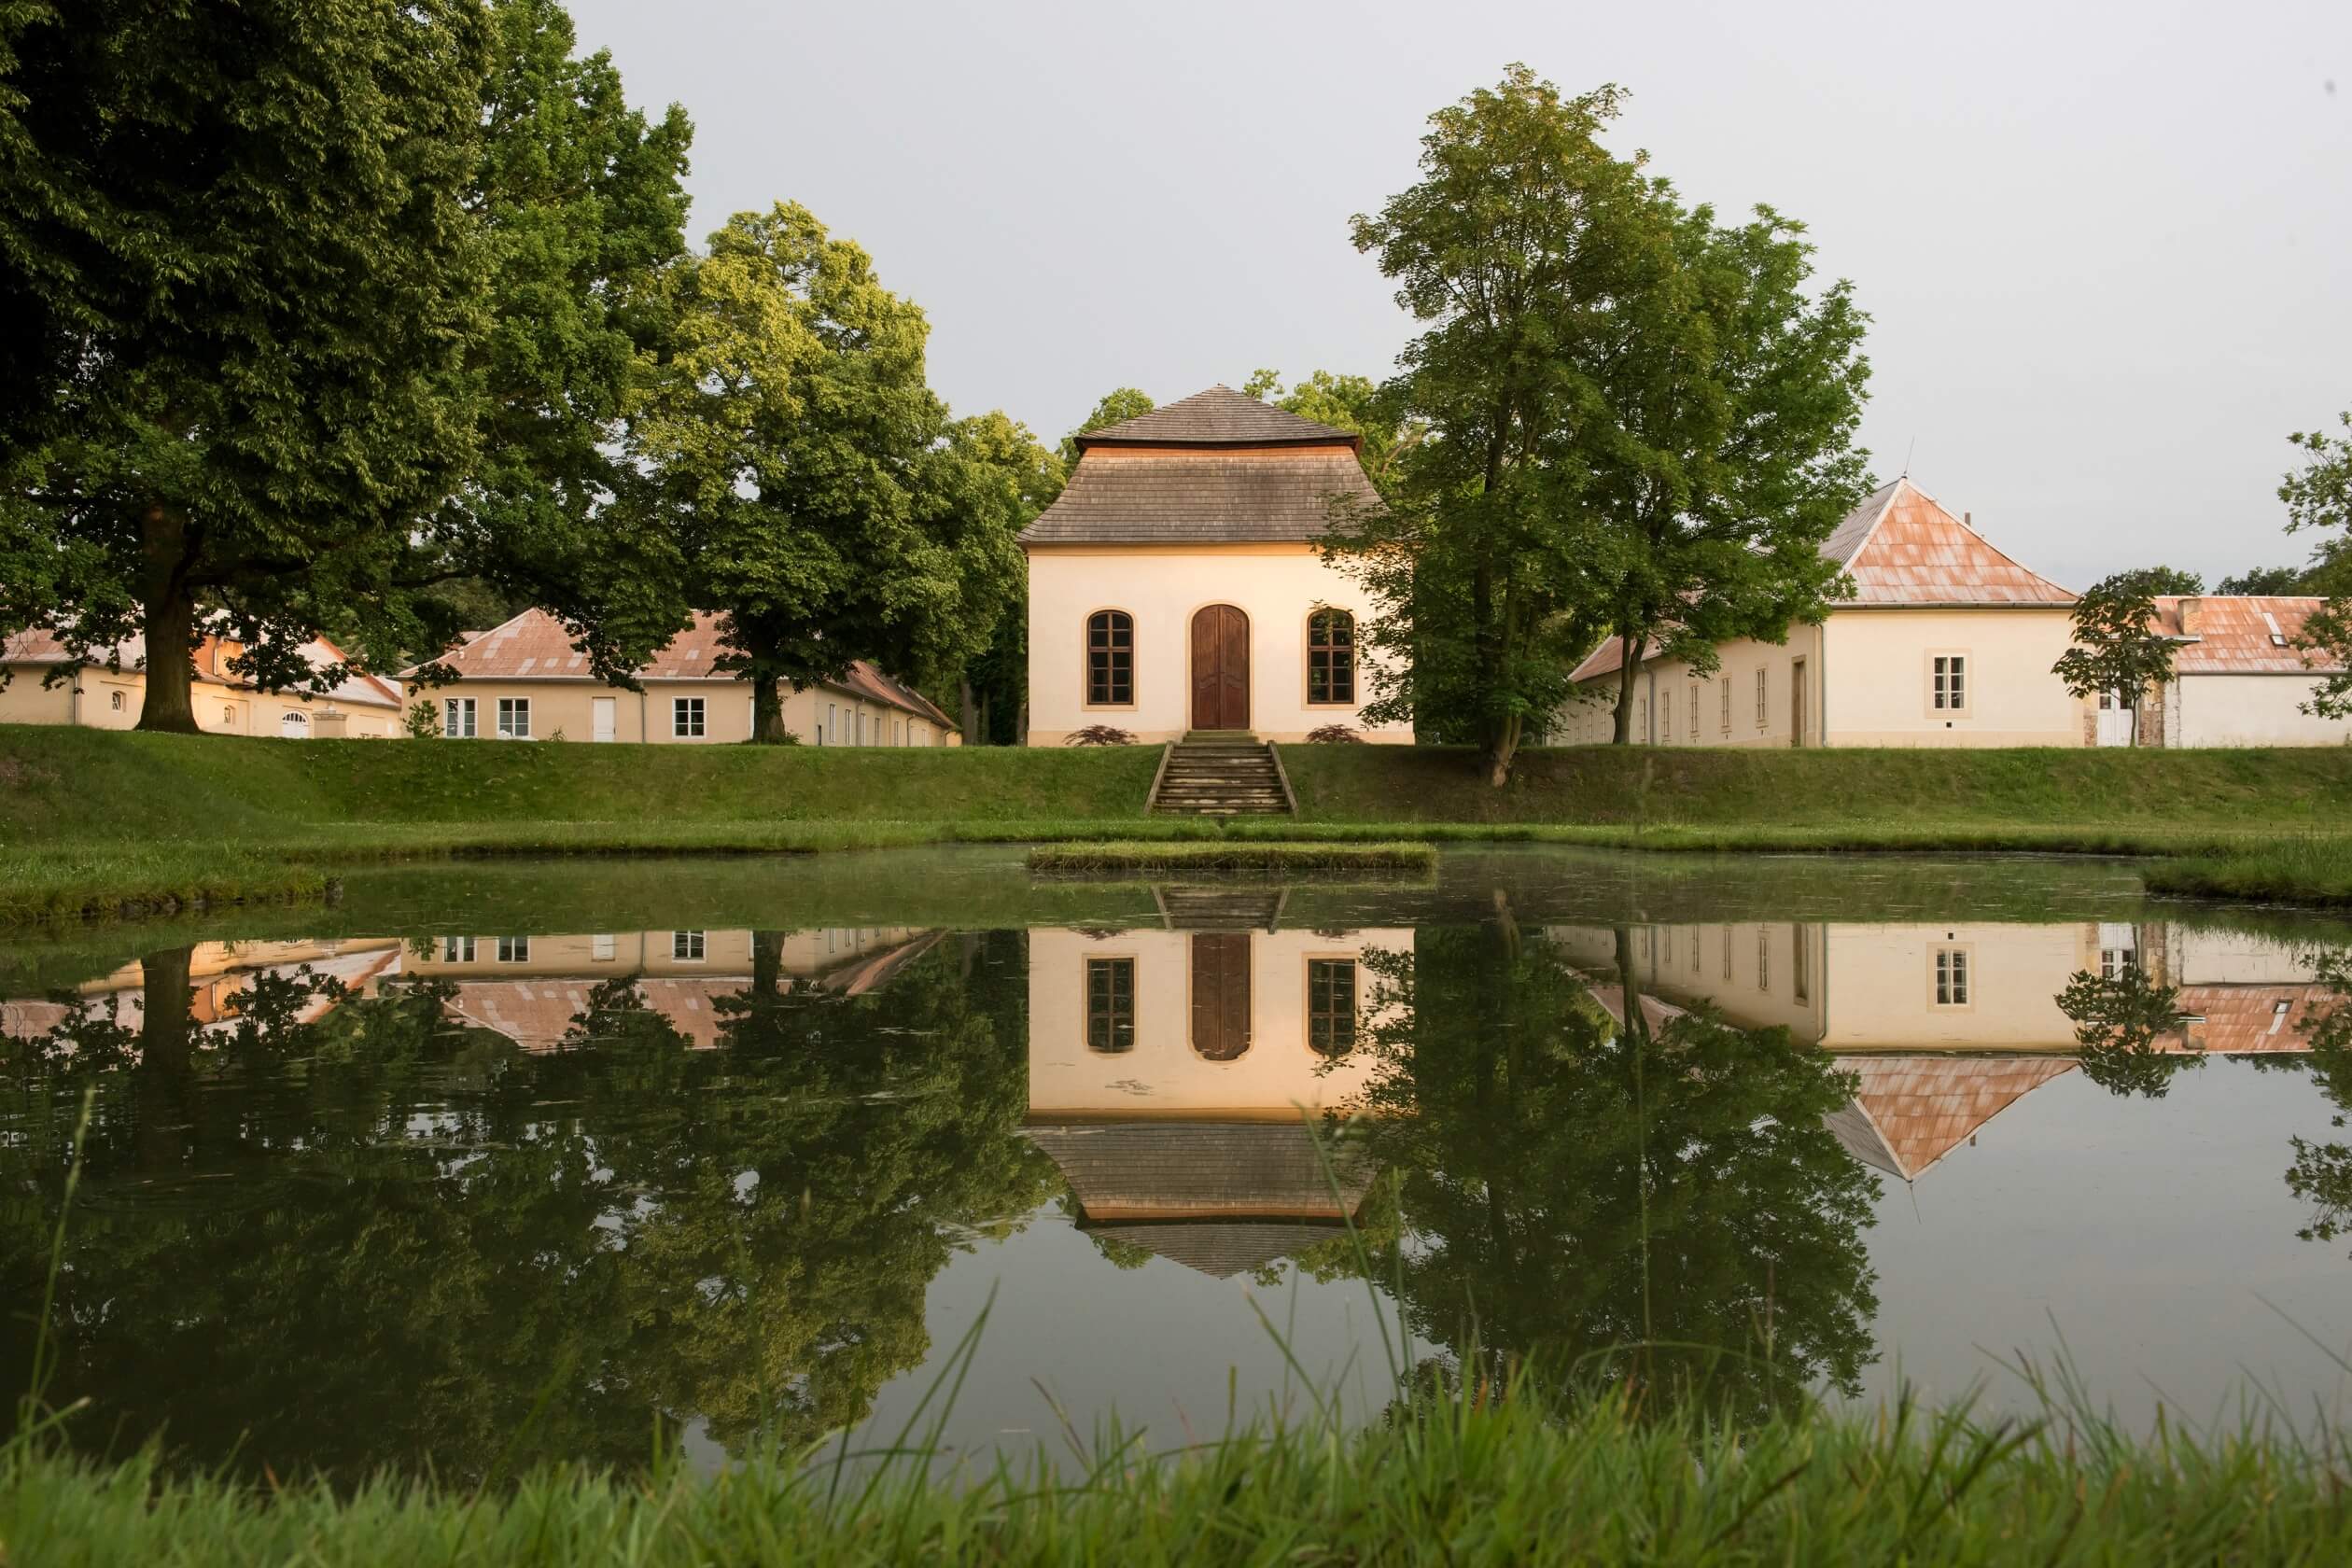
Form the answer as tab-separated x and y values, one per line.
2309	869
1473	1481
1243	854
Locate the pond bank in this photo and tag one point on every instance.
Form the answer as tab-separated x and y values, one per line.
108	824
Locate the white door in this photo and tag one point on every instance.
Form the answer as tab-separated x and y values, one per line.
606	711
2115	721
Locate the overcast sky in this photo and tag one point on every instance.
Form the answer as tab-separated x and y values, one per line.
2108	249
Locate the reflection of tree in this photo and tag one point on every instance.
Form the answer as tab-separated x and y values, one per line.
1657	1199
2322	1172
379	1237
2118	1020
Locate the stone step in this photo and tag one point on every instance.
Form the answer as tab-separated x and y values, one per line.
1221	773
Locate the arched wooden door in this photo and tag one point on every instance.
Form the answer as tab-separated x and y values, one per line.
1220	668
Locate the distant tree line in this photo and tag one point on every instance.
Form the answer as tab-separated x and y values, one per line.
375	319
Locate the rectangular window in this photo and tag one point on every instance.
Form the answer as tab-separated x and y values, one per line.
514	718
1111	1005
514	949
686	718
457	949
1331	1007
1952	977
600	948
1666	717
686	947
1726	684
1800	963
1695	945
1948	683
1727	952
1764	957
1694	712
1761	695
457	718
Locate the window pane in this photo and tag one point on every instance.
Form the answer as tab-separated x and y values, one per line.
1331	1007
1110	1004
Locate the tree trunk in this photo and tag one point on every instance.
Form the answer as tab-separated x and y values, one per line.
1502	749
973	734
169	623
767	710
167	1035
767	964
1627	669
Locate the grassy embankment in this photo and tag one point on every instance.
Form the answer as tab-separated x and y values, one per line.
1461	1482
94	823
1231	855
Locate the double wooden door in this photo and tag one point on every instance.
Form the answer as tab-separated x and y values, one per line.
1220	668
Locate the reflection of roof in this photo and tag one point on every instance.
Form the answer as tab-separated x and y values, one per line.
1901	548
1223	1247
1909	1111
870	971
2243	634
534	646
537	1014
1196	1171
2241	1020
1656	1012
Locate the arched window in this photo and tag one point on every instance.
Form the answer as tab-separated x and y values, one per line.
1331	657
114	698
1110	659
293	725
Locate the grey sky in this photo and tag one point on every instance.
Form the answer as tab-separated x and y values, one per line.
2108	249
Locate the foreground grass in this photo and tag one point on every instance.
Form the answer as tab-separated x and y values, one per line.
1463	1481
1241	855
96	824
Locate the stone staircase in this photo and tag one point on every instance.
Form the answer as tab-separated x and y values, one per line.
1221	773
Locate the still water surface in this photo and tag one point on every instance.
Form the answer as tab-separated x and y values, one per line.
429	1197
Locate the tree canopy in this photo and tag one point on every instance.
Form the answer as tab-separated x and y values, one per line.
822	499
2117	646
1116	406
2318	497
1640	421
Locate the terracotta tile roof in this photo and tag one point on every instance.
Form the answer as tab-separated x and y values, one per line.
39	647
1221	1248
1902	548
1218	418
1909	1111
2246	1020
536	1011
534	646
1207	497
2248	633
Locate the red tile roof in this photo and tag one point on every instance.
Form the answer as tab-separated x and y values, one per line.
2248	634
534	646
1901	548
41	647
2244	1021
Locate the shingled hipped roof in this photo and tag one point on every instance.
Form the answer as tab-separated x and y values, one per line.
1903	550
534	646
1218	418
1215	468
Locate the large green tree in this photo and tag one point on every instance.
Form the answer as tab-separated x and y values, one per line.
1370	408
581	202
241	281
1640	421
992	685
2117	645
822	499
2318	497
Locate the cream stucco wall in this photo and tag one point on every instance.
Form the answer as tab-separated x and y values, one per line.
1665	694
1163	1075
1275	585
90	702
725	954
820	716
1867	677
2247	710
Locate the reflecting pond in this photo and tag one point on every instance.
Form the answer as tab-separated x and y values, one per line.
533	1163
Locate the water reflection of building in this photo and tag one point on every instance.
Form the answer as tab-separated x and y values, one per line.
219	975
1173	1073
1946	1025
533	989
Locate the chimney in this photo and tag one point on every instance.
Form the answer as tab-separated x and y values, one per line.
2192	617
1968	521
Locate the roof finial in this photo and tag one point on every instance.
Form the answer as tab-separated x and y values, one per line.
1907	456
